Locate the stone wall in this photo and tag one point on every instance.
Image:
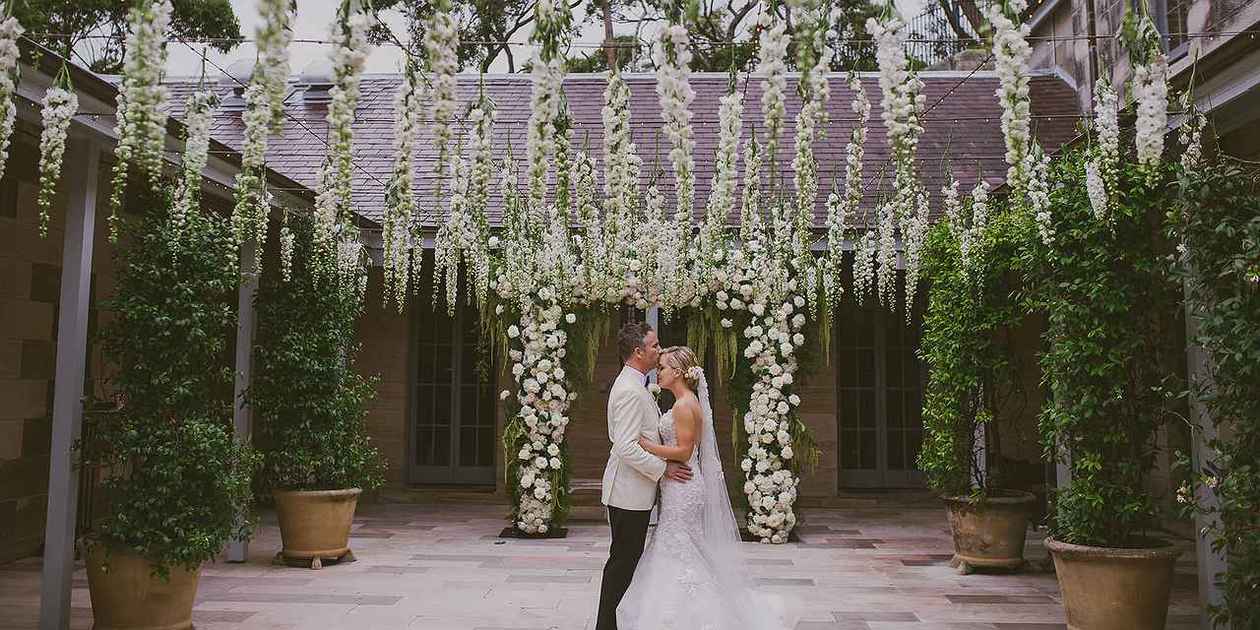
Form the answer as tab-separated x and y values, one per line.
30	286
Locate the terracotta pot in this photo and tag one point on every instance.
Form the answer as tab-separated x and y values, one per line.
315	524
126	595
989	533
1113	589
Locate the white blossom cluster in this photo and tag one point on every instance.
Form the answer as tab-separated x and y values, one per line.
811	124
902	101
774	335
400	196
480	176
538	354
672	56
1039	193
441	45
1150	90
141	126
59	107
840	208
287	239
334	227
1191	137
914	229
972	235
751	223
1010	53
886	255
263	115
864	265
772	66
1102	170
10	32
722	191
551	17
199	113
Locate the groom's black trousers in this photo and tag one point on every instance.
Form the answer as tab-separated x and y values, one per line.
629	532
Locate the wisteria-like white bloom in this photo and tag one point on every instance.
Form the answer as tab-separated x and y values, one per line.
286	251
811	125
1010	53
59	107
552	19
1191	137
263	115
772	65
972	236
723	189
441	44
841	208
333	195
10	32
199	113
951	202
1039	193
1107	120
886	256
864	265
1150	87
1097	190
141	126
672	56
400	198
902	103
914	229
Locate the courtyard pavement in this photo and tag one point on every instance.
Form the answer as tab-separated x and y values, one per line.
442	567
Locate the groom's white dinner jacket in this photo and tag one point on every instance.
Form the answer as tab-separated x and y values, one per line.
631	475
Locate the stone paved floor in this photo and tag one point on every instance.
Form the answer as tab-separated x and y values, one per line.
442	568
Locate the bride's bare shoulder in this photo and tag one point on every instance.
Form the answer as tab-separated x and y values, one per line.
687	408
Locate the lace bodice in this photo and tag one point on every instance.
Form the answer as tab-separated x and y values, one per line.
669	437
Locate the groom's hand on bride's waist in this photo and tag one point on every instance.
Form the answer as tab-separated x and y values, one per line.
677	471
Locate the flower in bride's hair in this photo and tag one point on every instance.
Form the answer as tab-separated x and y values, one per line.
695	372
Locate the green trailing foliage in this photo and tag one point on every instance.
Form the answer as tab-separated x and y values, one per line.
973	307
176	481
309	401
1218	220
1112	355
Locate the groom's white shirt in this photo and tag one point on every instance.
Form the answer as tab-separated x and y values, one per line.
632	473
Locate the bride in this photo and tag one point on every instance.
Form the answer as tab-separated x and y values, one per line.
691	576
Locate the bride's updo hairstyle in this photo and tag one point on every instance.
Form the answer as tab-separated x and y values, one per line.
682	358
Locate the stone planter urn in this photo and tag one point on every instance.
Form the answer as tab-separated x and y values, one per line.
1107	588
989	532
315	525
127	596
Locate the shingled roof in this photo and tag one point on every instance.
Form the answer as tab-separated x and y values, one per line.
962	131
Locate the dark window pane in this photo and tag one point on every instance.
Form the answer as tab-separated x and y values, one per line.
468	446
848	450
896	454
485	446
442	447
442	405
866	368
894	411
866	418
868	441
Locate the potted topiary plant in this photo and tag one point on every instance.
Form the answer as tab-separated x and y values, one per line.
310	403
175	481
973	307
1111	357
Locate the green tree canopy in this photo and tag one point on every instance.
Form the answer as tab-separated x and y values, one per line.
95	28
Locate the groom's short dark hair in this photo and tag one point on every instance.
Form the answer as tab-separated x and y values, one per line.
631	337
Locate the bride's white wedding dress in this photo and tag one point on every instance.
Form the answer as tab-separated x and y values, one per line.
690	576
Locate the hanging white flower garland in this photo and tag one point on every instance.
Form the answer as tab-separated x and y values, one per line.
1010	53
843	206
441	45
199	114
400	199
59	106
263	116
10	32
672	55
141	126
335	235
711	257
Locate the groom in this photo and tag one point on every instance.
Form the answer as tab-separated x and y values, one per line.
629	488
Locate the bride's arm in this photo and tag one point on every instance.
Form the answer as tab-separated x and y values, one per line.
687	428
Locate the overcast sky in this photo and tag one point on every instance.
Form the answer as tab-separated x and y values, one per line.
315	16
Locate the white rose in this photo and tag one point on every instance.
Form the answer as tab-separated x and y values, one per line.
524	454
553	450
503	395
726	323
571	318
787	452
555	463
746	465
783	408
540	493
798	339
757	309
540	462
794	399
513	331
798	301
